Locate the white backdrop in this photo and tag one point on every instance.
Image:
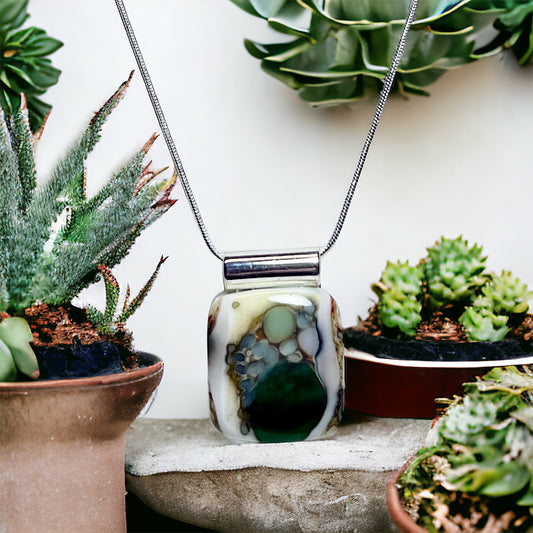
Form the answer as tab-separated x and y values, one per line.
270	172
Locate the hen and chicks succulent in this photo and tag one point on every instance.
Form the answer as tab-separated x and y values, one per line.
452	279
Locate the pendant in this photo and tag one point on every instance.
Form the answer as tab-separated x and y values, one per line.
275	356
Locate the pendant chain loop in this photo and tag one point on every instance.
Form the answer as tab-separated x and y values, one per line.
383	95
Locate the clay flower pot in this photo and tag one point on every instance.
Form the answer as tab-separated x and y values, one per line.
62	446
406	388
401	519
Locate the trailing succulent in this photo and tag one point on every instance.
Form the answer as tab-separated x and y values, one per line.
24	64
339	51
55	240
452	281
476	472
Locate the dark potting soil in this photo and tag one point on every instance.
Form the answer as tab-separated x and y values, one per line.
79	360
422	350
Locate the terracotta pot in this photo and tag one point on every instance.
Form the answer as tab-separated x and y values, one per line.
400	388
401	519
62	447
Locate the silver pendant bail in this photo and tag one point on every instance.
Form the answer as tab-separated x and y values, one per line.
244	270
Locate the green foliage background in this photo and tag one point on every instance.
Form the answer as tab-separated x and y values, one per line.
340	50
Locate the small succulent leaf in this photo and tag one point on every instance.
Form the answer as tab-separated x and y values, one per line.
512	478
13	13
268	8
112	293
292	20
16	334
95	316
25	154
39	44
526	500
247	6
138	300
8	370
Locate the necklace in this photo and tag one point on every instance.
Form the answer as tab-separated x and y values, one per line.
275	355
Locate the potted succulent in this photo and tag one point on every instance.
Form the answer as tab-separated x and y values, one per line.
475	474
71	382
436	325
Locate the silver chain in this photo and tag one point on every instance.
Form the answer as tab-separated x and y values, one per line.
383	95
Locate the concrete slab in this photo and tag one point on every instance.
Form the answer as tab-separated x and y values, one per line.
185	469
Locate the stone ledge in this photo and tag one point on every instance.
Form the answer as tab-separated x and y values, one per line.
186	470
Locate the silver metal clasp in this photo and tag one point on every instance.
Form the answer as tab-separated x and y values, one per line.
245	270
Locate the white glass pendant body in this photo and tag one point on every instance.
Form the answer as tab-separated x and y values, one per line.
276	370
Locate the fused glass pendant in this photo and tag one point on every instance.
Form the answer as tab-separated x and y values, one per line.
275	351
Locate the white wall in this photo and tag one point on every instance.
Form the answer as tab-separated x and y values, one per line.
270	172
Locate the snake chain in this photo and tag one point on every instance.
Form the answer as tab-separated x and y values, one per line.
383	95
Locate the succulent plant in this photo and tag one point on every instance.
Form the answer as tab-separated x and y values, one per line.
486	319
16	354
54	239
340	50
24	64
451	287
110	321
507	294
398	291
482	324
453	271
476	473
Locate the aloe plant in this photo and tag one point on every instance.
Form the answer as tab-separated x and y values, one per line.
54	239
339	51
24	64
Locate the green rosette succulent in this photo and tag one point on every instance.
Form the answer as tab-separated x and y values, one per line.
339	51
507	294
453	271
481	323
399	290
24	64
486	319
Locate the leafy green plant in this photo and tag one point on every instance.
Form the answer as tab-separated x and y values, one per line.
54	239
477	469
110	321
451	280
339	51
25	68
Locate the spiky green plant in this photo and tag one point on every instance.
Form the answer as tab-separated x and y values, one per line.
451	278
52	236
338	51
507	294
481	323
453	271
486	319
24	64
399	291
110	321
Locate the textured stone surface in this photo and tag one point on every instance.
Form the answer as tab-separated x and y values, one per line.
186	470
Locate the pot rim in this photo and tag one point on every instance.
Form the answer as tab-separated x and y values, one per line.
155	366
352	353
395	507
